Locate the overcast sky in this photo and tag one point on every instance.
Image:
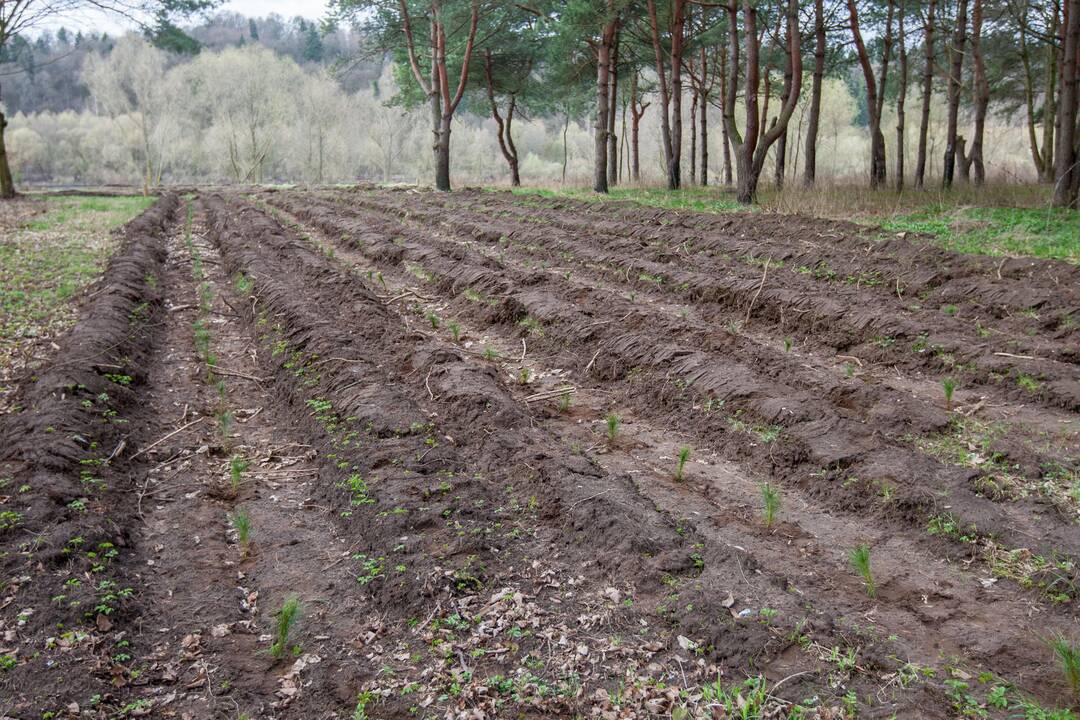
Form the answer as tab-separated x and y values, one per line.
313	9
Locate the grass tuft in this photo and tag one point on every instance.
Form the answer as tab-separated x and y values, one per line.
1068	656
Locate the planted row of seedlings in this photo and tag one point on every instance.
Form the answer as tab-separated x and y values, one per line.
67	584
396	450
1006	285
822	433
386	250
849	319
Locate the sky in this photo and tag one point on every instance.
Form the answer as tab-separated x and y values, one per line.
312	9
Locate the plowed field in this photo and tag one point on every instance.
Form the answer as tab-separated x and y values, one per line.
528	457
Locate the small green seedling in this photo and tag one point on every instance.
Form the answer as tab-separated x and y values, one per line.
949	385
238	465
787	344
860	561
225	423
612	421
770	497
490	353
241	523
434	320
455	329
524	375
564	401
680	465
284	621
1068	657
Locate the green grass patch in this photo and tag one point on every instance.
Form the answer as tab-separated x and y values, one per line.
46	259
1038	232
692	198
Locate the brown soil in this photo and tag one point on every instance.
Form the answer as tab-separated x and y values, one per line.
386	370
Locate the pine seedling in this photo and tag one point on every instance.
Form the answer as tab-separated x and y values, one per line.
241	523
612	420
238	464
284	621
770	498
680	465
434	320
524	375
490	353
564	401
225	423
787	344
948	385
860	562
455	329
1068	657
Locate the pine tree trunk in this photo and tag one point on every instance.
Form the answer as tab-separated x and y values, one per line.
693	135
810	169
7	184
955	85
704	140
981	93
603	68
927	94
442	156
1066	156
901	99
1050	104
613	140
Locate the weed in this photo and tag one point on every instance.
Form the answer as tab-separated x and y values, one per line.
243	284
949	310
612	421
1027	382
684	455
860	560
849	370
284	621
1068	656
949	385
770	497
241	523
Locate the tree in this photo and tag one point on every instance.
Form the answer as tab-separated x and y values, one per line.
927	92
399	27
129	85
1067	154
603	88
956	69
810	169
637	111
875	89
18	17
751	151
670	128
901	98
980	91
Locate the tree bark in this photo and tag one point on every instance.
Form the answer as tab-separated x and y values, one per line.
693	134
724	138
613	85
981	93
603	69
1050	99
956	69
637	110
1066	154
7	183
927	94
810	169
901	99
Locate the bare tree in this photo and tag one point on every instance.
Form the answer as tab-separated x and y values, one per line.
875	92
